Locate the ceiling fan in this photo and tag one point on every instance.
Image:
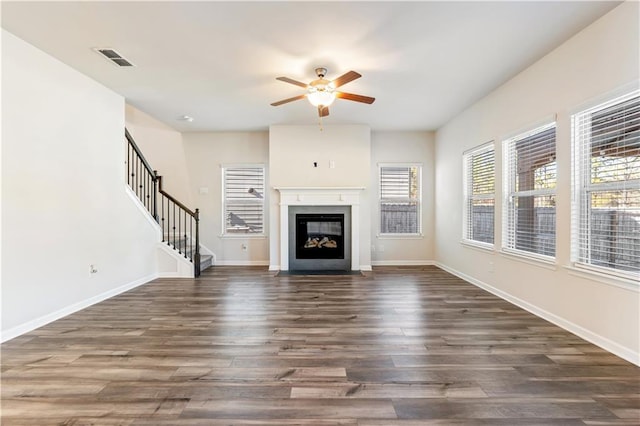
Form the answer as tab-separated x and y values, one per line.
321	92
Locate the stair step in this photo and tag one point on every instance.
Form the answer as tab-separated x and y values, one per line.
206	261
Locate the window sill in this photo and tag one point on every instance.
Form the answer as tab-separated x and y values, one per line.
540	261
603	277
242	236
486	247
400	236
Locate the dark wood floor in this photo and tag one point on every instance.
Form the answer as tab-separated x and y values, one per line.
400	346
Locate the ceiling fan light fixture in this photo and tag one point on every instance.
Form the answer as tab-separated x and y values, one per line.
321	98
321	92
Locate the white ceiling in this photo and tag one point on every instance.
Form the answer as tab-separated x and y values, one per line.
424	62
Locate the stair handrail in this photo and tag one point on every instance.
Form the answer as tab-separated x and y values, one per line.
147	187
137	150
172	198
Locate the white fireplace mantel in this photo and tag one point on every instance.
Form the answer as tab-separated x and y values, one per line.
319	196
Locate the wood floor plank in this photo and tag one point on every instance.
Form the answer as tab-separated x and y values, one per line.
399	346
387	390
496	409
287	408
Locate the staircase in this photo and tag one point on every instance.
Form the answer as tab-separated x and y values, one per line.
180	225
185	246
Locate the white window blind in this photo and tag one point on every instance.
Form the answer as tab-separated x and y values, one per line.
606	183
243	188
529	192
400	199
479	190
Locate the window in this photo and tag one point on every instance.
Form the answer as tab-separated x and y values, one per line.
606	184
400	199
479	193
243	189
530	192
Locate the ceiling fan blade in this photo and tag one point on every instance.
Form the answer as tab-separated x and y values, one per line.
292	81
284	101
357	98
323	111
345	78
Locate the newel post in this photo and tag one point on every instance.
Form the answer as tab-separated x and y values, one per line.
196	260
155	195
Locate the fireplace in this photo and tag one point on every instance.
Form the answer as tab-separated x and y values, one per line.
339	207
319	236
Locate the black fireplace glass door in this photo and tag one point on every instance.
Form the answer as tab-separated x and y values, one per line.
320	236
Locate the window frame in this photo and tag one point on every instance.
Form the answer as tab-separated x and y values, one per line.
510	167
581	185
224	202
469	198
418	200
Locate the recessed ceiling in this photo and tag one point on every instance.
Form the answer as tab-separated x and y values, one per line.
424	62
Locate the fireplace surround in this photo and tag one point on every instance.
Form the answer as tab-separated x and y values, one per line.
320	201
319	238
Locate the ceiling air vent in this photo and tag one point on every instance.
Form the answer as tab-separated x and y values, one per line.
113	56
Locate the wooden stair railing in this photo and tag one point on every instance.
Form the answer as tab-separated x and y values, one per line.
180	225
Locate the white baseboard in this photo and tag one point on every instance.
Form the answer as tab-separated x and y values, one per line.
243	263
402	263
173	275
68	310
588	335
276	268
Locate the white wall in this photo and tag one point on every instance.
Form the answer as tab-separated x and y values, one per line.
64	199
597	61
343	157
162	147
403	147
205	155
294	149
289	153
